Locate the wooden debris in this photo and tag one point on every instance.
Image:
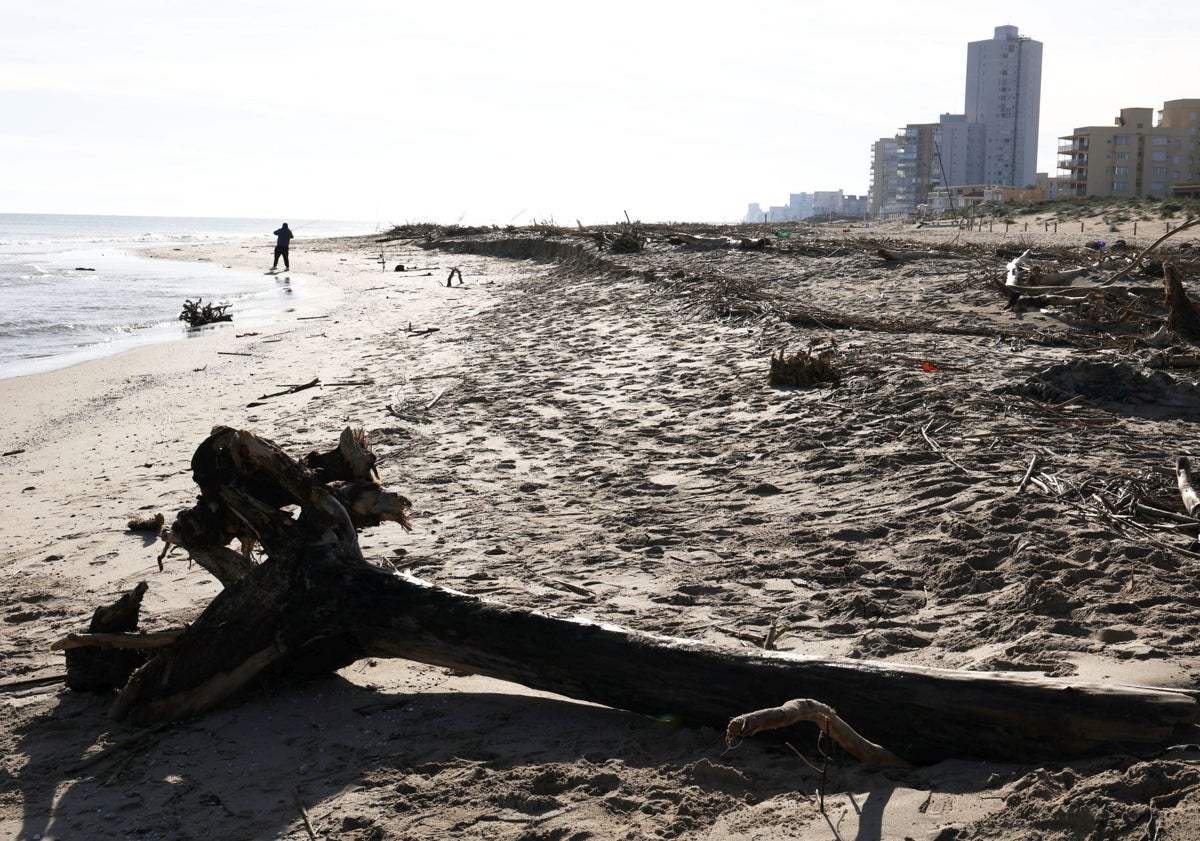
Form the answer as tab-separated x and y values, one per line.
93	669
933	445
804	368
1182	315
316	606
574	588
140	642
1137	261
435	399
1033	465
1013	277
1183	475
315	381
351	459
892	255
1043	276
825	717
197	313
153	523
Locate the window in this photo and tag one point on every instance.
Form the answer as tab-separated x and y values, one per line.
1120	170
1120	187
1122	140
1158	170
1160	141
1122	156
1157	187
1158	157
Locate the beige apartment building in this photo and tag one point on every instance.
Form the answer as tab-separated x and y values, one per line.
1134	157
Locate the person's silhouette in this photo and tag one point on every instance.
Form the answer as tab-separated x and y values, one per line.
283	237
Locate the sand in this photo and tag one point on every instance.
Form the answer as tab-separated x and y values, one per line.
597	439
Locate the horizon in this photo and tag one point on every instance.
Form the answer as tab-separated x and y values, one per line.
478	115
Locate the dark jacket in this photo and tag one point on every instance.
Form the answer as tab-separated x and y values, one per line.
284	235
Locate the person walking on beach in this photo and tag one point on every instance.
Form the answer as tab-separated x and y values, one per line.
283	236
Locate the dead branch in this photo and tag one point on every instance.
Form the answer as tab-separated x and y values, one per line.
292	389
1033	465
140	642
825	717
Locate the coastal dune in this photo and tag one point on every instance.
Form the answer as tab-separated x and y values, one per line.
592	435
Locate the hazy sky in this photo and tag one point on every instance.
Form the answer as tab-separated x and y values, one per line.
491	112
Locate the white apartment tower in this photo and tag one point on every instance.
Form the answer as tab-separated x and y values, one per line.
1003	103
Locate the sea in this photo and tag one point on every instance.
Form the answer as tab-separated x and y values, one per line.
73	288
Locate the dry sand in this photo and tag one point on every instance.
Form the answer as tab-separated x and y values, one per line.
605	428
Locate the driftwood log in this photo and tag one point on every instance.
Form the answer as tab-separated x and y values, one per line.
97	669
197	313
315	605
1187	491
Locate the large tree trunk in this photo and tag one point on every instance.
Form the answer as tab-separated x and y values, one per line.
315	605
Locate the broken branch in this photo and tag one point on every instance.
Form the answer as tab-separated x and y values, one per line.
825	717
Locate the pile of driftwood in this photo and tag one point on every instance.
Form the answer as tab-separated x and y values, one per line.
197	313
804	368
629	238
313	604
1106	299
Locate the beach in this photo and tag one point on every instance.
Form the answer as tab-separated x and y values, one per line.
591	434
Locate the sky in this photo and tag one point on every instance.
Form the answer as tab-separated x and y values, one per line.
524	111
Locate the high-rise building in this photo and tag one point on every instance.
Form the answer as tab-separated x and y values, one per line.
992	144
881	197
905	169
1003	104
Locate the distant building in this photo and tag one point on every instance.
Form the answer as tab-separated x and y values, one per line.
956	138
1003	102
854	207
904	170
827	203
958	198
881	196
992	143
1134	157
801	205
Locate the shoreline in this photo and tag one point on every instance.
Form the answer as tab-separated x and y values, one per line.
295	292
